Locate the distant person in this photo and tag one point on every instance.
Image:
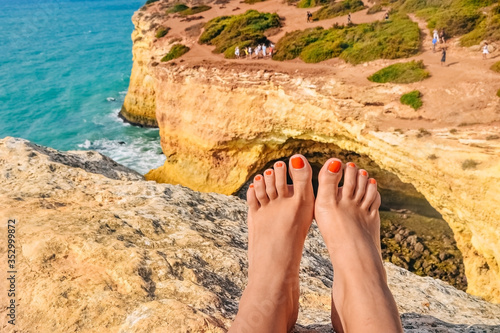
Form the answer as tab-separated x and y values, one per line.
245	52
434	42
237	52
264	47
443	56
349	21
309	17
270	51
250	51
486	51
435	34
442	36
387	16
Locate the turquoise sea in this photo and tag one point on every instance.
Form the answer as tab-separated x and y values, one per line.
64	72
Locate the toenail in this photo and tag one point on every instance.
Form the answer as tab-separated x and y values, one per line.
352	165
364	173
258	178
373	181
269	172
334	166
279	164
251	185
297	163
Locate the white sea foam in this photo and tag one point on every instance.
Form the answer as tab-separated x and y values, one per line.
141	154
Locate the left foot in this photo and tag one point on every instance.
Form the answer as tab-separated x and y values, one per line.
279	217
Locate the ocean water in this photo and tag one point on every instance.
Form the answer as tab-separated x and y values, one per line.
64	72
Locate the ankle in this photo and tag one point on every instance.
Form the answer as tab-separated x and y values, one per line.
262	302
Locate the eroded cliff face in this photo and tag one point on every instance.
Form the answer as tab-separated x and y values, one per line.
222	121
99	249
220	126
139	106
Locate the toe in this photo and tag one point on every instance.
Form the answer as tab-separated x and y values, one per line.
328	180
376	204
252	201
260	190
361	186
270	184
370	195
301	173
280	179
350	180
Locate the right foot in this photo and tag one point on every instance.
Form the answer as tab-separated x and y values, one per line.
349	221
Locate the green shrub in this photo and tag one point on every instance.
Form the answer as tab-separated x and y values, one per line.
151	1
397	38
227	32
412	99
178	8
335	9
311	3
375	9
498	93
195	10
458	17
406	72
293	43
496	67
162	32
176	51
252	1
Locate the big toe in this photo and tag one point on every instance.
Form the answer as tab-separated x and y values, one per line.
328	181
301	173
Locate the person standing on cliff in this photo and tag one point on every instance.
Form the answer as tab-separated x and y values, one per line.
442	36
264	47
237	52
486	51
349	19
443	56
250	52
279	218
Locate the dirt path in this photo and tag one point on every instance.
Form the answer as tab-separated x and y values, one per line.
462	92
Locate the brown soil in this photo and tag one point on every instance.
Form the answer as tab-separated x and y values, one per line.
460	95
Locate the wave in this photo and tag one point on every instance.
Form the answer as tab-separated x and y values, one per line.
140	154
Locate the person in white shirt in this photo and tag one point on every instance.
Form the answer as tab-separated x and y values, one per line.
486	51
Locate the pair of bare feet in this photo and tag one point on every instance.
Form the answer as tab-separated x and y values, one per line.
279	218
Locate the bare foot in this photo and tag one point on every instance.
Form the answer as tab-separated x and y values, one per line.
349	221
279	217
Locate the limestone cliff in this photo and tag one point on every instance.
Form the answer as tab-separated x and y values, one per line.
222	121
139	106
219	127
99	249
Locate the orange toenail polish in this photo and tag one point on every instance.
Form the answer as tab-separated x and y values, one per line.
257	178
279	164
373	181
269	172
334	167
352	165
297	163
251	185
364	173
